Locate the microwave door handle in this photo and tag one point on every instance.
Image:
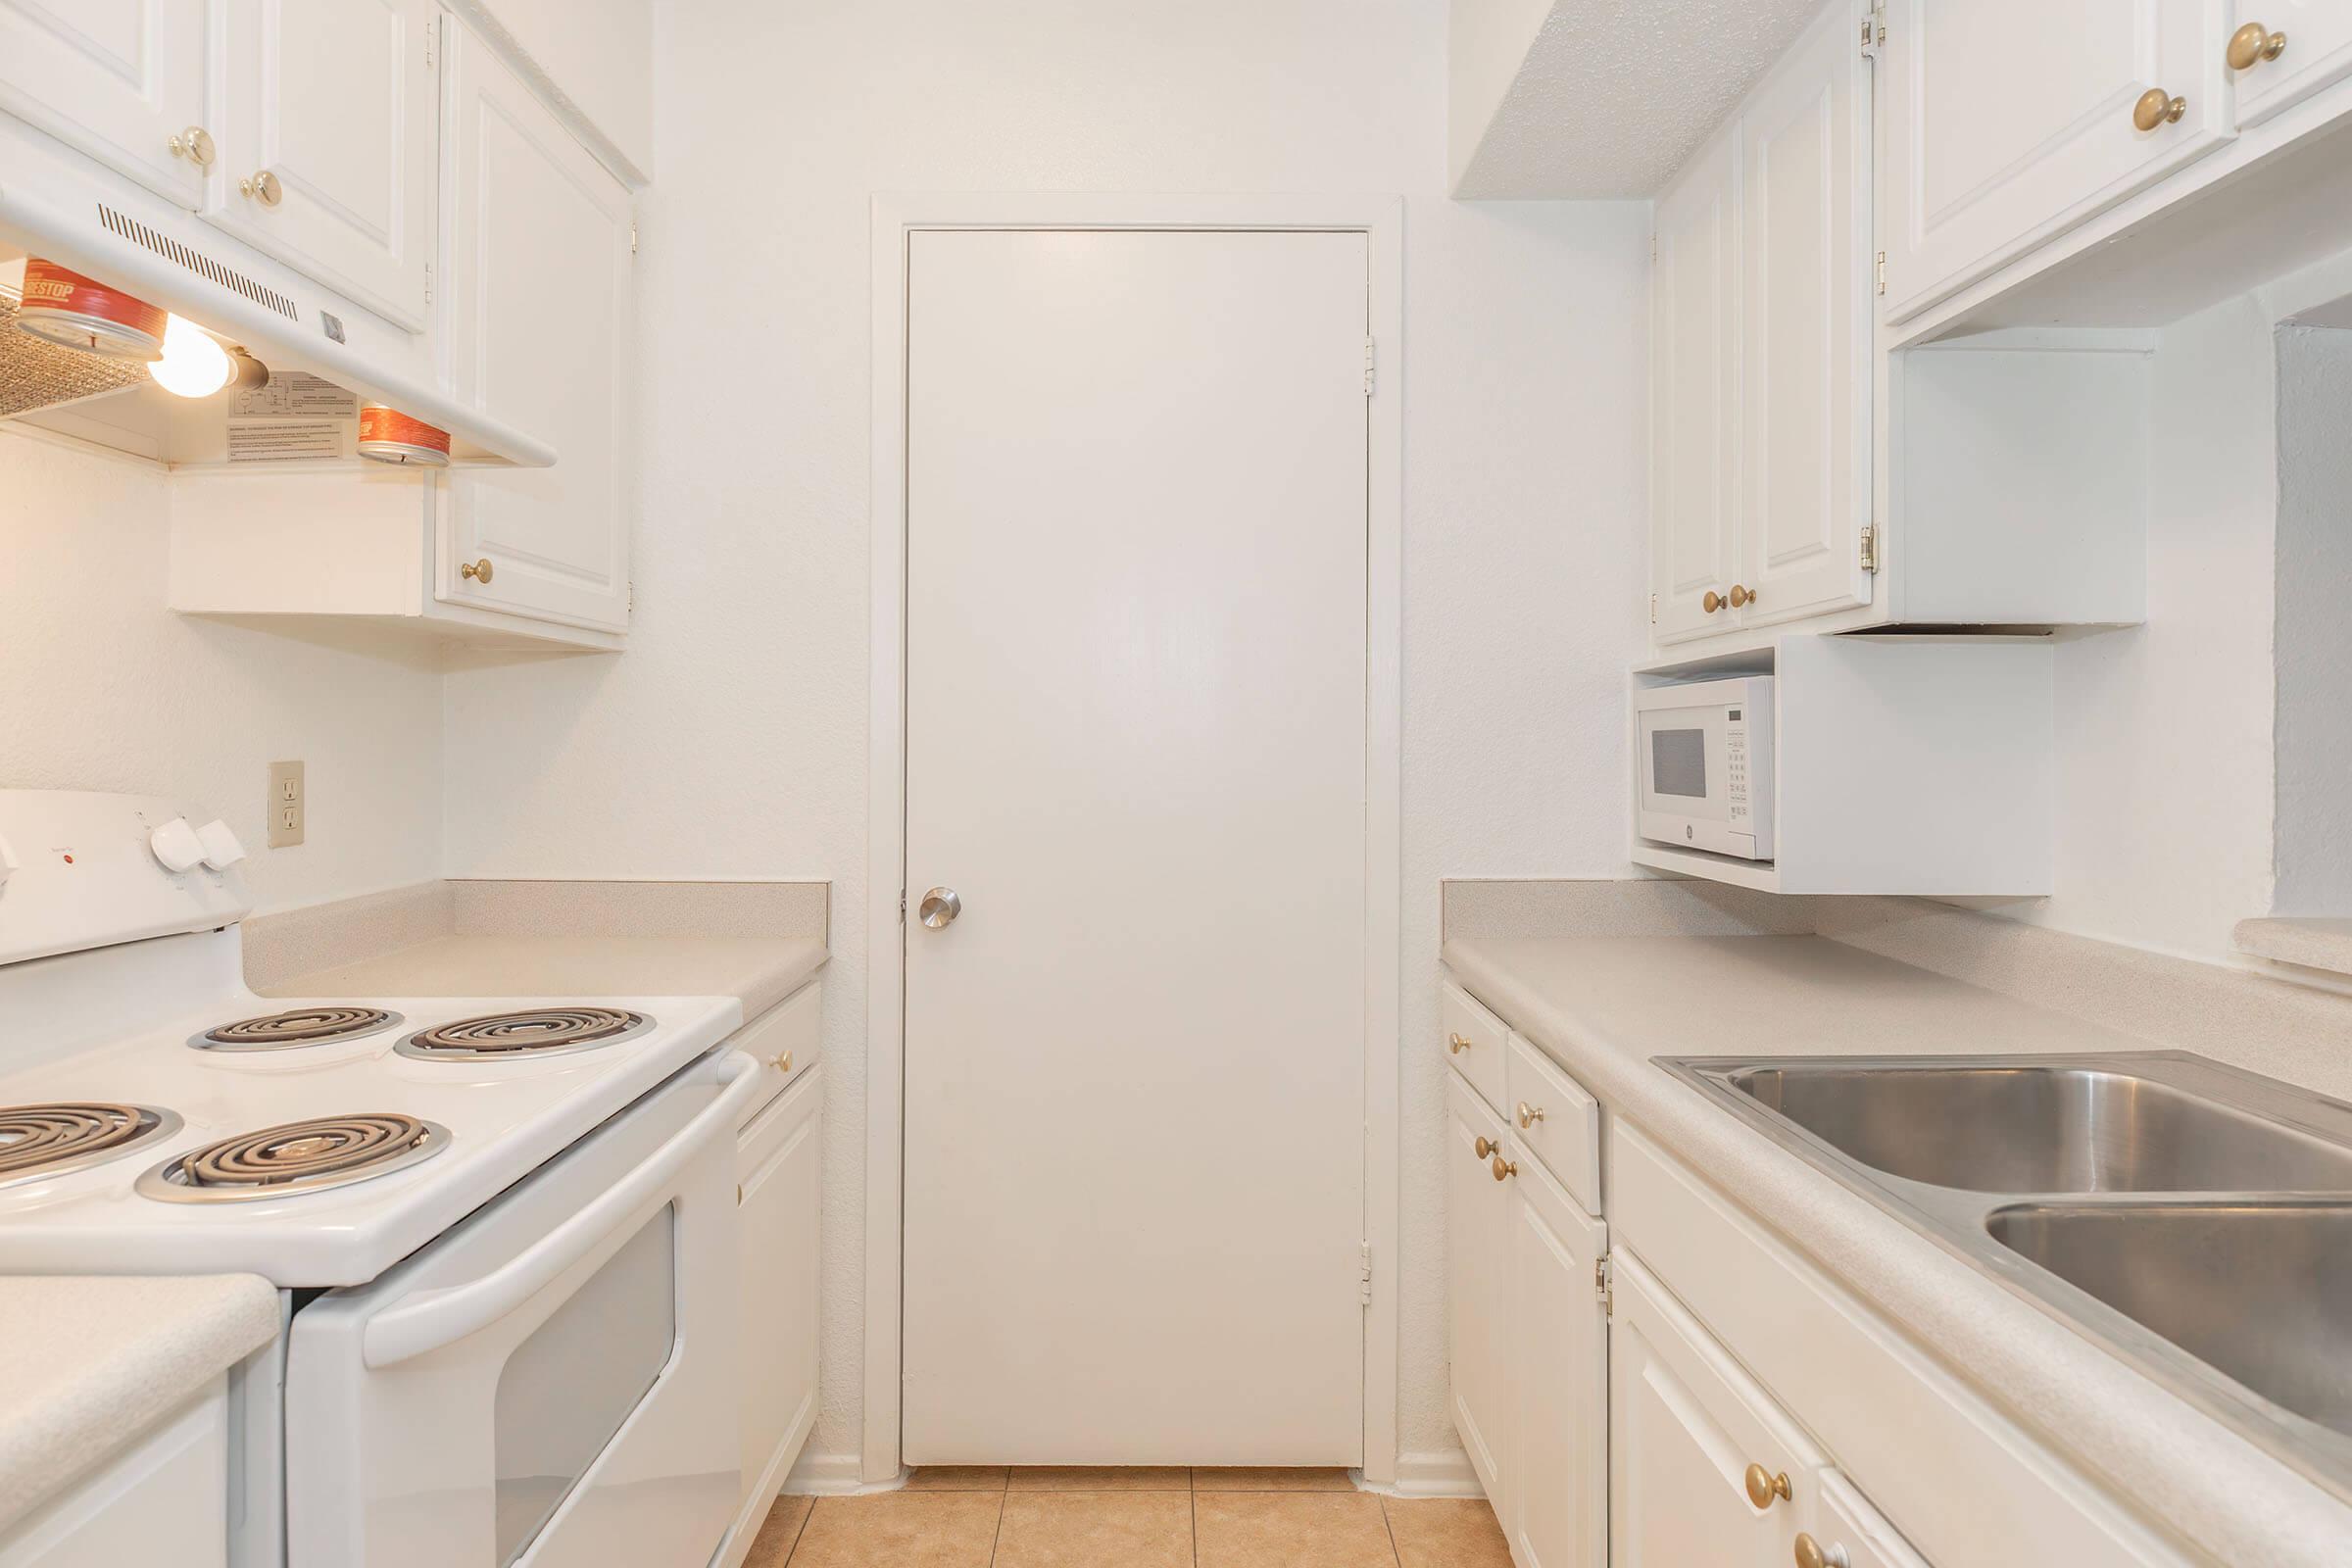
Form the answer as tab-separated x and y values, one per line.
431	1319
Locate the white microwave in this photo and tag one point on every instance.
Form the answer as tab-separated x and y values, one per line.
1702	766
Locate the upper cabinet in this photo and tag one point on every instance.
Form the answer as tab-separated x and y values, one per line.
539	307
1760	342
2283	51
121	80
326	146
2015	118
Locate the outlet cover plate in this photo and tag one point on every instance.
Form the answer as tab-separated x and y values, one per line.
286	805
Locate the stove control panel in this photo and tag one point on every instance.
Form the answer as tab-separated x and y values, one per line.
87	871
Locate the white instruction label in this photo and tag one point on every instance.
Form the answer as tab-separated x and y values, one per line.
297	396
284	440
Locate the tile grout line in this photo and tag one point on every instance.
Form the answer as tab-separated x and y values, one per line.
1390	1525
997	1540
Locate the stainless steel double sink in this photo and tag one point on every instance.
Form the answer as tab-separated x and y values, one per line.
2194	1218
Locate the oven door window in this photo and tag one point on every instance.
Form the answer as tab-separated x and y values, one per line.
569	1388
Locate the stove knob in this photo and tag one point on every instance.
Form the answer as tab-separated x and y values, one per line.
221	846
176	844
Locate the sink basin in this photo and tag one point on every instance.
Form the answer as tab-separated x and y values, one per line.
2261	1292
2193	1218
2035	1128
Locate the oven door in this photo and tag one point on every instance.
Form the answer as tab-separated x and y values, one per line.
548	1384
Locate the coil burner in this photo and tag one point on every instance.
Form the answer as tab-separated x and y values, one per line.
302	1026
510	1035
41	1141
300	1157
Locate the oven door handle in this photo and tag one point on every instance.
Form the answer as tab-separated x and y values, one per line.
434	1319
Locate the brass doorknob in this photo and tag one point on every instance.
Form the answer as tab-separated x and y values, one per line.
1456	1045
1529	1115
1504	1167
1484	1147
262	187
1742	596
1713	602
477	570
2252	44
1810	1553
2156	107
195	144
1763	1486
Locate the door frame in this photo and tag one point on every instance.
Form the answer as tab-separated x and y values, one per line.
1381	220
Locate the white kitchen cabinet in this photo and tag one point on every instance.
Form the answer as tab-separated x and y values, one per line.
539	307
2312	40
1806	329
163	1500
121	80
1694	427
1849	1532
1477	1220
1693	1444
1761	350
1557	1371
326	144
2008	122
779	1158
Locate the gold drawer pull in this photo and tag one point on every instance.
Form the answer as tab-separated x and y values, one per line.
1763	1486
1456	1045
1505	1167
1529	1115
2253	43
783	1064
1484	1147
2156	107
477	570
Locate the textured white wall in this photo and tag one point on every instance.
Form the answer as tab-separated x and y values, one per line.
2313	857
102	688
731	739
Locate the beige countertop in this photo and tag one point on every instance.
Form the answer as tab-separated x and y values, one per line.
90	1362
761	970
1603	1006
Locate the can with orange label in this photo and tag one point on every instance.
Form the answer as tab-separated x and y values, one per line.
390	436
80	312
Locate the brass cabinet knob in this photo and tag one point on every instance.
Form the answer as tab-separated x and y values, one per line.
262	187
1529	1115
1456	1045
477	570
1713	602
783	1064
1505	1167
1811	1553
2156	107
1742	596
195	144
1763	1486
2252	44
1484	1147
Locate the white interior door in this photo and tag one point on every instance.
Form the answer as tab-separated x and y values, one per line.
333	101
1135	749
117	79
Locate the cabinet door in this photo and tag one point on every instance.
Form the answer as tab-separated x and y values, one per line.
1852	1534
1694	439
538	337
2010	121
1684	1425
1558	1373
2317	53
116	79
333	101
1805	302
1477	1284
776	1169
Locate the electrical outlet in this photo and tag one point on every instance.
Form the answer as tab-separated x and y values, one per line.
286	805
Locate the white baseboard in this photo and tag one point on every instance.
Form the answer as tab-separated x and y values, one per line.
1446	1474
834	1475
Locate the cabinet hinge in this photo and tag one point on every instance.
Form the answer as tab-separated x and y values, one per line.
632	239
1600	1288
1368	366
1653	250
1654	610
1882	271
1870	547
1364	1279
901	906
429	282
432	34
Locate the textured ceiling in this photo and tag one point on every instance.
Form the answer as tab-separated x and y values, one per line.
1614	94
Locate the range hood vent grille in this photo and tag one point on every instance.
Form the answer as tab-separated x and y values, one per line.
35	374
203	266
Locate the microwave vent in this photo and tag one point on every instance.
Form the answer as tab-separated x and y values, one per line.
203	266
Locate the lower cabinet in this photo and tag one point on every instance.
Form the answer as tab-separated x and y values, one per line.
1478	1218
1556	1488
164	1499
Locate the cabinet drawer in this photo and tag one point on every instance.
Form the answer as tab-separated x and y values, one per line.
1850	1531
1558	1121
784	1041
1474	1040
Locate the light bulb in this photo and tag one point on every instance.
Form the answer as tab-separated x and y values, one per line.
193	365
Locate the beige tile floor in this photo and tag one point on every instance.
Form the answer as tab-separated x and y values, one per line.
974	1516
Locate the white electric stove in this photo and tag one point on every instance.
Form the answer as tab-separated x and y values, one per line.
502	1228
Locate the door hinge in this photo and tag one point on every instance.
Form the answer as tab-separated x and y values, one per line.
1870	548
1600	1288
1368	366
1882	271
1364	1279
432	34
1654	610
901	906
